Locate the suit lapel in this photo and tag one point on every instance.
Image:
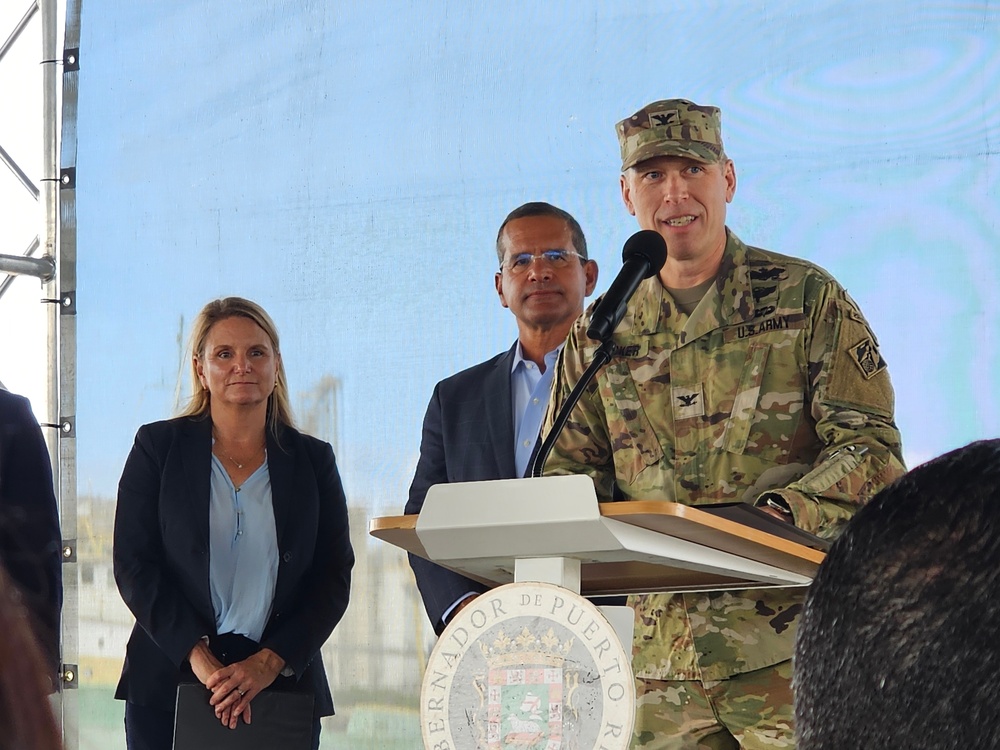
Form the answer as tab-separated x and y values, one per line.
281	468
195	441
497	399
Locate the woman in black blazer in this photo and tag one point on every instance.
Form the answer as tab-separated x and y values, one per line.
231	544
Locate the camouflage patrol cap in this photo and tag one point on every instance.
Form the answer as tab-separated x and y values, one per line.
671	127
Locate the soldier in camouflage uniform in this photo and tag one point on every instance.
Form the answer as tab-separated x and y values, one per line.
739	374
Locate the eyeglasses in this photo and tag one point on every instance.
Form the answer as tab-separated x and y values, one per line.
556	259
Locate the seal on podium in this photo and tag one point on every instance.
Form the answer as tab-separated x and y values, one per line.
530	666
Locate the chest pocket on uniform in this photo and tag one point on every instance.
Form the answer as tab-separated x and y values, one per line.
737	430
633	441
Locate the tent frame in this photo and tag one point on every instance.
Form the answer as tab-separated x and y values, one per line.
55	266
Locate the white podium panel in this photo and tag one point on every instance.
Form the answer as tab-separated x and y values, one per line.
480	529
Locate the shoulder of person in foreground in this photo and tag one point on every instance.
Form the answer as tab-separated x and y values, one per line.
30	534
26	719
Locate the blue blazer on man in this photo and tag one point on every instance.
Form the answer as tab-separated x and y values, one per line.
30	539
161	557
468	435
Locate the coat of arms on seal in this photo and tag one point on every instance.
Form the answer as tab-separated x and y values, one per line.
522	696
528	666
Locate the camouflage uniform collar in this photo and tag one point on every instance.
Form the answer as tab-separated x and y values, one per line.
729	302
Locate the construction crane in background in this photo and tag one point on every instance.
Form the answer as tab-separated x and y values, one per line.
319	411
181	362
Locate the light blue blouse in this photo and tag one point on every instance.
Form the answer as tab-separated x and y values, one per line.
243	551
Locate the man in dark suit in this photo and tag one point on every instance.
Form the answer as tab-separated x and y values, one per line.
483	423
30	539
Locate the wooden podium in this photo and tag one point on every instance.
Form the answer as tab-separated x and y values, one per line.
529	664
487	530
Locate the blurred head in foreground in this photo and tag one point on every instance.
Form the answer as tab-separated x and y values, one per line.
26	720
898	645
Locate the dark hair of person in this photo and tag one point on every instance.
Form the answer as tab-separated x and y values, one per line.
26	719
899	642
279	410
539	208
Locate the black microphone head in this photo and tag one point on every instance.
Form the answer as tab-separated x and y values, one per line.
648	245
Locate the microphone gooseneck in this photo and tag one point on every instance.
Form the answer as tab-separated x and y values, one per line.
643	256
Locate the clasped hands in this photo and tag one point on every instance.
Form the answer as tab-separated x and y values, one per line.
234	686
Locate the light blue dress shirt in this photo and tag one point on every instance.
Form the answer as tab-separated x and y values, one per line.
529	390
243	551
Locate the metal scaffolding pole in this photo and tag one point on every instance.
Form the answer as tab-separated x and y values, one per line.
43	268
58	241
21	25
28	253
56	268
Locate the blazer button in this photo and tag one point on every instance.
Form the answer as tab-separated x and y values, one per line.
287	557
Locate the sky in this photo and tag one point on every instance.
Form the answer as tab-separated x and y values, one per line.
348	167
22	319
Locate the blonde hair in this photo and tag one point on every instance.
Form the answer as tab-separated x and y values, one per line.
279	409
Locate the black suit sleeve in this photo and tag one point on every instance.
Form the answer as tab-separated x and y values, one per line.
439	588
146	570
30	538
298	629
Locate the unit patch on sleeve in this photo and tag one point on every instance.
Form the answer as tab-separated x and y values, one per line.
866	356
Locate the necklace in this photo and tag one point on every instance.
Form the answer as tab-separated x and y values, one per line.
236	463
226	455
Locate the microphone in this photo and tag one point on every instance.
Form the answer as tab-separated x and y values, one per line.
643	256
